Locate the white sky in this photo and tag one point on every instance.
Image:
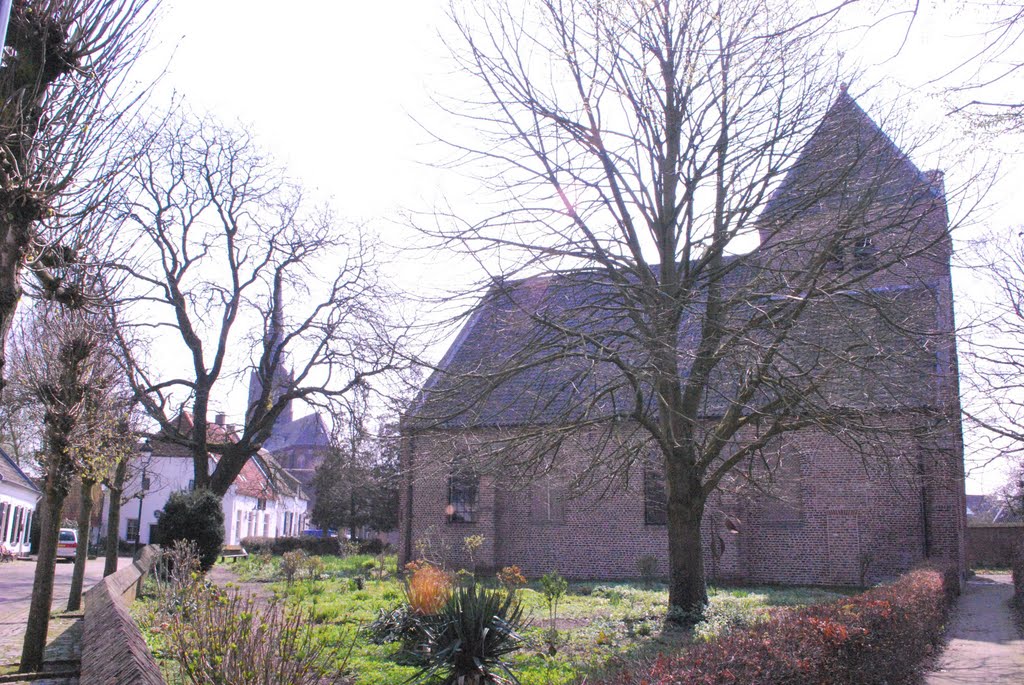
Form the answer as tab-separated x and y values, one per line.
330	89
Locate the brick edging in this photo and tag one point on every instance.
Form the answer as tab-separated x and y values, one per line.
113	649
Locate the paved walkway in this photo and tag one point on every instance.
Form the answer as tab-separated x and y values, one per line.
16	593
984	646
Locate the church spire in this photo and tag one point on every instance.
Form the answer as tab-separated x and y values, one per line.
274	344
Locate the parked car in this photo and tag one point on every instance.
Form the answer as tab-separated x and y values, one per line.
67	543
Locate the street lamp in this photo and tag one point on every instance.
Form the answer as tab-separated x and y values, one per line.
146	452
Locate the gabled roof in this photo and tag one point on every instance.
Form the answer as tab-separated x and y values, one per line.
215	432
842	162
10	472
304	432
545	349
260	477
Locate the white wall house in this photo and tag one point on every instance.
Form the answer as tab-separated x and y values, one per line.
18	499
261	501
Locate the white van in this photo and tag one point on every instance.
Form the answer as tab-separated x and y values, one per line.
67	543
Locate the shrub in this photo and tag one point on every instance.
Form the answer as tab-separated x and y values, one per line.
871	638
175	572
648	567
373	546
278	546
195	516
314	567
511	578
230	639
291	563
727	614
1018	573
427	588
469	639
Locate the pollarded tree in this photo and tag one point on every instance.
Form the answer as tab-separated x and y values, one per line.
636	151
65	363
228	256
65	98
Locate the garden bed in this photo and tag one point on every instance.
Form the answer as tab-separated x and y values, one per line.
602	626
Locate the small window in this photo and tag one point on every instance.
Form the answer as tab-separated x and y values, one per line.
864	253
191	485
132	534
547	501
67	536
655	498
261	504
462	492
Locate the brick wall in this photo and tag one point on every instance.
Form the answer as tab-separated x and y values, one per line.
113	649
992	544
841	519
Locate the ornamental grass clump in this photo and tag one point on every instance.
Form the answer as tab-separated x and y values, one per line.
427	588
468	641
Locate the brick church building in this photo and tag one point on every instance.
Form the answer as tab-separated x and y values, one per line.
821	504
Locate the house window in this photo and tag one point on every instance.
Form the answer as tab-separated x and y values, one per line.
28	528
19	524
132	534
655	498
547	501
191	485
4	510
261	504
462	491
864	253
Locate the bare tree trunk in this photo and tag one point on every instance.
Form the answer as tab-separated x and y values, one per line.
687	589
114	518
82	553
42	585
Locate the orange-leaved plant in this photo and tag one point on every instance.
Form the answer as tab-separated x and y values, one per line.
427	588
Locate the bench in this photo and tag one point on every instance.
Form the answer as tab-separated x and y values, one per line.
233	552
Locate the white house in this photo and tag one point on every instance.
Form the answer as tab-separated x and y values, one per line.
265	500
18	498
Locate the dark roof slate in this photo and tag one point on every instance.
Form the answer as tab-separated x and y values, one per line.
304	432
544	349
842	163
11	472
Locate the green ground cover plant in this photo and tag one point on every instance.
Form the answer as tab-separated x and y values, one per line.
602	626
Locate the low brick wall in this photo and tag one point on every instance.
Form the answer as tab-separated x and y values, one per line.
113	649
992	544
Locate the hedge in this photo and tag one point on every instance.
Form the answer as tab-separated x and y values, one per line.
310	545
875	637
1018	574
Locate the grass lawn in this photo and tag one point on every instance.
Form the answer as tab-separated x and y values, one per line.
601	625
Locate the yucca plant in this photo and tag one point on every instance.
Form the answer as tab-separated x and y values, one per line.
468	640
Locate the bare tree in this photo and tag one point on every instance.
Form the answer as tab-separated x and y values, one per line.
635	150
64	102
62	361
993	343
106	441
230	258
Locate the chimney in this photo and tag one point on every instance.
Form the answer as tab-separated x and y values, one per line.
221	418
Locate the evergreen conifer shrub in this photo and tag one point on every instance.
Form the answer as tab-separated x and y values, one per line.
195	516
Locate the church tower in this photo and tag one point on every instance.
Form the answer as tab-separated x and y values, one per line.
283	377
